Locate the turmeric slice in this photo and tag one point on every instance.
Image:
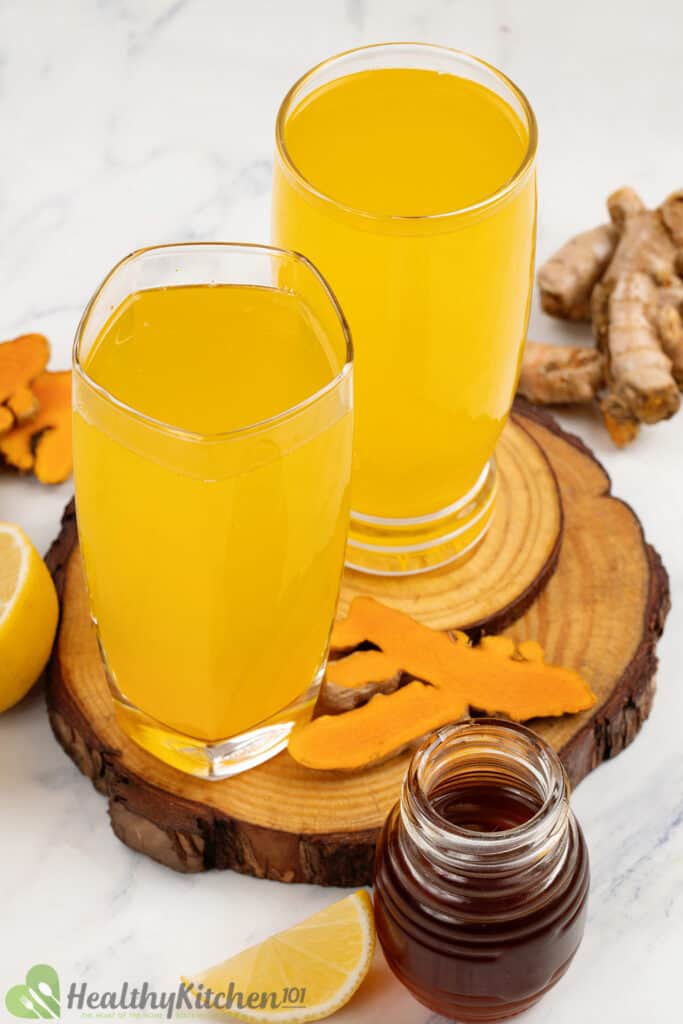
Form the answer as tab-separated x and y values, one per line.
383	727
377	675
43	444
21	360
417	679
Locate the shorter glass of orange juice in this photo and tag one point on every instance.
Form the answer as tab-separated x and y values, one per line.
212	446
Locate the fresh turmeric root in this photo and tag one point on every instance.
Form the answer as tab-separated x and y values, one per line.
559	374
43	444
414	679
567	279
670	325
21	360
627	312
629	276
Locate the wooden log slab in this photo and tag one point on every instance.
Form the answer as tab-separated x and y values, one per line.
506	572
601	612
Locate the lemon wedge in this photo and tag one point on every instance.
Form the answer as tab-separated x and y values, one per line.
28	614
302	974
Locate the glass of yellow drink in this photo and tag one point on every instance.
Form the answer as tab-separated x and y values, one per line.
212	446
406	173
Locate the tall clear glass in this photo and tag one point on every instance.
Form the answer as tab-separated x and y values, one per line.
406	173
212	445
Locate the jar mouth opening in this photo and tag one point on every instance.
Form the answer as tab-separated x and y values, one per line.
505	753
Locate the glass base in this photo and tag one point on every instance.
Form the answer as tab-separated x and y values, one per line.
405	547
213	759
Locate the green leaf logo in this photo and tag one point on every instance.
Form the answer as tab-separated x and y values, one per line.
38	998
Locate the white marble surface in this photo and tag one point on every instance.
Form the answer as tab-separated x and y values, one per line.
129	122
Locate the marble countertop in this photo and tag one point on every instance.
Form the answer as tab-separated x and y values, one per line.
129	122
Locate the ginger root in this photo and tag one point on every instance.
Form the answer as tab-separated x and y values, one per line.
21	360
558	374
415	679
43	444
670	324
567	279
629	274
627	312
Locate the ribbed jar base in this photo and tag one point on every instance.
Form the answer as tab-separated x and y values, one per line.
476	1010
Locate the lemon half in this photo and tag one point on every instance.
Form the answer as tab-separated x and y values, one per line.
28	614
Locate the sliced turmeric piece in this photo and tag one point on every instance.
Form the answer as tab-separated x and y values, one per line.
375	731
443	679
43	444
377	673
531	650
21	360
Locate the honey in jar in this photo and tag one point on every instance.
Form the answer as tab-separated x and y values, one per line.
482	873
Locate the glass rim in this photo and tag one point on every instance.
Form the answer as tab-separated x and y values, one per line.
553	802
247	248
501	193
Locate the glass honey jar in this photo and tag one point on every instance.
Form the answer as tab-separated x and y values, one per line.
482	875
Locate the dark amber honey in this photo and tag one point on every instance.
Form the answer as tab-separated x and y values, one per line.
482	873
482	807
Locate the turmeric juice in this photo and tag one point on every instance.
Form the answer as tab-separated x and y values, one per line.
393	182
212	526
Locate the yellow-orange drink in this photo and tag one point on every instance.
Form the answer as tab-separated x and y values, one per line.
411	188
213	502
